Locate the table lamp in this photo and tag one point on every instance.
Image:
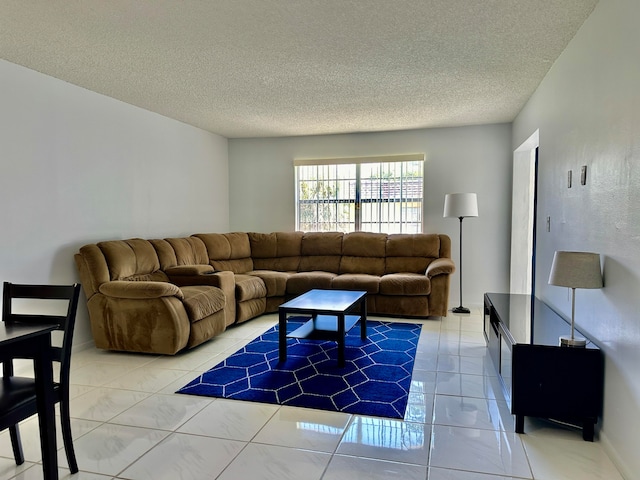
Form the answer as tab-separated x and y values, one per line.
575	270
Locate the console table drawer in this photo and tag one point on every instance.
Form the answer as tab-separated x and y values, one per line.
492	335
559	383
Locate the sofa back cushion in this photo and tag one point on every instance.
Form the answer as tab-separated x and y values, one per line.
92	267
228	251
363	252
411	253
321	251
133	259
189	251
166	253
174	252
279	251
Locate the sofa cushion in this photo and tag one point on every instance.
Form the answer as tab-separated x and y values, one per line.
129	258
330	263
200	301
302	282
249	287
189	251
405	284
364	244
356	281
238	265
321	251
278	251
407	264
285	264
411	253
274	282
166	253
368	265
228	251
263	245
321	243
363	252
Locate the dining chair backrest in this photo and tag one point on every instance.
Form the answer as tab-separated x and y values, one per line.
66	322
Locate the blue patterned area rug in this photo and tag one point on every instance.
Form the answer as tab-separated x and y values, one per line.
374	381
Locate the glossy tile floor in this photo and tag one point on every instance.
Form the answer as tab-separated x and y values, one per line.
128	423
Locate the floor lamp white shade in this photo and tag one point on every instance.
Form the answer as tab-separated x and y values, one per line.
460	205
575	270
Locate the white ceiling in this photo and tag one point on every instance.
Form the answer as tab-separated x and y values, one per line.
258	68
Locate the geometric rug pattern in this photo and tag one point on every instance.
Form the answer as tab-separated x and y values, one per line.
374	381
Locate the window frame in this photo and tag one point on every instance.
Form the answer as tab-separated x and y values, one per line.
357	200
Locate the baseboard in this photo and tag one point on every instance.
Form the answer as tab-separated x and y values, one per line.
626	472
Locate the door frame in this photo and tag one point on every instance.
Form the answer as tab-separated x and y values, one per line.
523	216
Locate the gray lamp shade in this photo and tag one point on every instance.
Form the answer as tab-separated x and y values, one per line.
460	205
576	270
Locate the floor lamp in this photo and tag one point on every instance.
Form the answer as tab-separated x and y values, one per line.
460	205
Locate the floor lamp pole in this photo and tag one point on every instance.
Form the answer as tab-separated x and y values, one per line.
461	309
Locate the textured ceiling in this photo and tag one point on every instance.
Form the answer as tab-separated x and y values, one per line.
256	68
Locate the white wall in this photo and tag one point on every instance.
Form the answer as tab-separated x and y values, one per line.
78	167
466	159
588	112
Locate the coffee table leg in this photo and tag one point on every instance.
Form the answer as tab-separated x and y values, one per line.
282	336
341	334
363	319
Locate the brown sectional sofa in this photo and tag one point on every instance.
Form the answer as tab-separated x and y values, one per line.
164	295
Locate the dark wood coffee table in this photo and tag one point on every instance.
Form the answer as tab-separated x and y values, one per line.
331	318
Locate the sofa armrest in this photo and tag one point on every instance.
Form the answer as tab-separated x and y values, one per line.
142	289
188	275
440	266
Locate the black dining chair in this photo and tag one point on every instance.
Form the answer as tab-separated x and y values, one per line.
18	394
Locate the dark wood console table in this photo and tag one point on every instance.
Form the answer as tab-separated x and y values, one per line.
540	378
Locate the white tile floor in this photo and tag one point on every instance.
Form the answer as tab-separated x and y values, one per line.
128	423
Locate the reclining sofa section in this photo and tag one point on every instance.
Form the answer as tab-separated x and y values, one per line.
164	295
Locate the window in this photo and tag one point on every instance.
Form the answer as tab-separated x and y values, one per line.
375	194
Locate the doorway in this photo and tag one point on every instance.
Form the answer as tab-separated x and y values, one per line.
523	217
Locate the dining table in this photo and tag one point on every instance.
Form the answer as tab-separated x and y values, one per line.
29	341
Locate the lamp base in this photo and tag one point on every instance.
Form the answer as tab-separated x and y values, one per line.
460	309
567	341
